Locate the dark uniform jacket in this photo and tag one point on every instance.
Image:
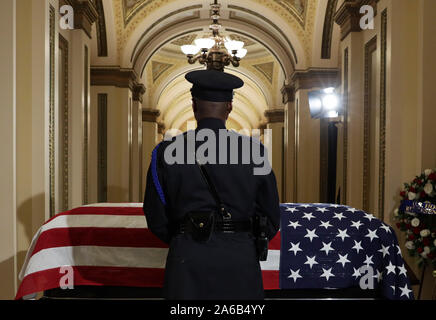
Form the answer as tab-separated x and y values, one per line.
226	267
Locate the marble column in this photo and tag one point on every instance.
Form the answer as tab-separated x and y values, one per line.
150	132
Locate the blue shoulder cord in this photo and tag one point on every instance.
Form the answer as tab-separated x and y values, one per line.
156	182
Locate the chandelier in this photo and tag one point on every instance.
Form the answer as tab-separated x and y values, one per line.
215	52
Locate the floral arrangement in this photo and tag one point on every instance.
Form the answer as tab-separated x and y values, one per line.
420	229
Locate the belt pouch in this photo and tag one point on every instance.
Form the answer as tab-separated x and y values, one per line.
202	225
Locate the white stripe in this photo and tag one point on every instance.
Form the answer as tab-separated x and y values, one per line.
95	220
272	262
97	256
126	205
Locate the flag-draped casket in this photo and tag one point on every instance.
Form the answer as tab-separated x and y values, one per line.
319	246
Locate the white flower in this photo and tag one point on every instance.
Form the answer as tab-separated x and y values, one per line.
409	245
427	249
424	254
396	212
428	172
428	188
415	222
411	195
434	242
425	233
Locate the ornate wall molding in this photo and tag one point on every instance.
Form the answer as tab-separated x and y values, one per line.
64	113
370	47
101	30
275	115
328	29
114	76
382	152
150	115
315	78
138	92
345	129
51	131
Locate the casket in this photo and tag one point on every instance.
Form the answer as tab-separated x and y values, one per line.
107	251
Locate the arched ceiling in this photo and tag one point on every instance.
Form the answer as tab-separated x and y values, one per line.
146	35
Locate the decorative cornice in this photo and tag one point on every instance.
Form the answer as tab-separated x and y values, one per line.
348	15
275	115
85	14
315	78
150	115
117	77
288	93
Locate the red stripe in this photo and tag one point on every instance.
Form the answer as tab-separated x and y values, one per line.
91	236
111	276
274	244
92	276
270	279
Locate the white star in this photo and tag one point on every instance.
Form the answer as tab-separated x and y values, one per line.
402	270
405	291
305	205
368	260
308	216
399	250
391	268
327	274
295	275
343	260
342	234
335	205
352	210
327	248
356	224
311	261
291	209
357	246
356	273
384	250
339	216
294	224
321	209
378	276
370	217
325	224
295	248
386	227
372	234
311	234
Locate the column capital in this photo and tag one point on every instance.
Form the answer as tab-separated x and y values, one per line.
138	91
150	115
315	78
114	76
288	93
85	14
275	115
160	128
348	15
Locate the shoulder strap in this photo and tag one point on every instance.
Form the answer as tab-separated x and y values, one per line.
213	191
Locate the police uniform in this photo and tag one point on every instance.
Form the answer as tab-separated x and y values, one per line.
226	266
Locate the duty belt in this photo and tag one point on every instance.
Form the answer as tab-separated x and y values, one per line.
220	226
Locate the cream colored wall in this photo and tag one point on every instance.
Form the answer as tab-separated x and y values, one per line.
276	151
150	139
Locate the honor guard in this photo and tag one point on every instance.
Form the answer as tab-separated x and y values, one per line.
216	209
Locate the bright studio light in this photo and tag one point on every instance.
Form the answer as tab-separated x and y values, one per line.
324	103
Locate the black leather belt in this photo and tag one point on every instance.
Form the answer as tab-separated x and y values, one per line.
220	226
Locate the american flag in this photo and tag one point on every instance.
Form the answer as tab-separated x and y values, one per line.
326	246
106	245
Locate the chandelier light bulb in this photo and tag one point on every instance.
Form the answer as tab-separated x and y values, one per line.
233	45
241	53
190	49
205	43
